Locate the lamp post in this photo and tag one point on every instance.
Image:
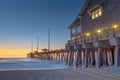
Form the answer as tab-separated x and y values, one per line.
48	40
114	29
99	31
115	26
37	44
48	44
32	47
87	34
99	35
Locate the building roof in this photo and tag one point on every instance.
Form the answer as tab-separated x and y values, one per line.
80	14
84	7
77	21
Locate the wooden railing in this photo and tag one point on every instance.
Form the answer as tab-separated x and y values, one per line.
105	34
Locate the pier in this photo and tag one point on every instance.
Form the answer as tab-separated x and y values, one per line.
95	37
95	49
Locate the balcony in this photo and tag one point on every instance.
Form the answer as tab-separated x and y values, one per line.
103	34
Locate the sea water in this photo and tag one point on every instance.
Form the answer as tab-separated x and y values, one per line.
28	64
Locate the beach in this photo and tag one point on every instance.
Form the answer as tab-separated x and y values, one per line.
61	74
36	69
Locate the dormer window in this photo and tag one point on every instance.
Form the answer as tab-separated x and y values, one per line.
95	12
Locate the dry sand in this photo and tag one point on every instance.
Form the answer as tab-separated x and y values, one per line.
59	74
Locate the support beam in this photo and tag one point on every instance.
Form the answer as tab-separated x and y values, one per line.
83	58
75	59
86	57
92	57
79	58
67	57
117	56
109	57
72	57
104	55
98	61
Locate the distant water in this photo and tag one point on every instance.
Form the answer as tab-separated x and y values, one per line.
28	64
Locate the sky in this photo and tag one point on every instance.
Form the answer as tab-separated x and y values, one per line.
23	21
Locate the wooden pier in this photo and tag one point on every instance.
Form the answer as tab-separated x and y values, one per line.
95	37
96	49
93	50
54	55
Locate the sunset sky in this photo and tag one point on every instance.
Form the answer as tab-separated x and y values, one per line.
22	21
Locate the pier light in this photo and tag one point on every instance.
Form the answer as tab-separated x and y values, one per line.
88	34
99	31
115	26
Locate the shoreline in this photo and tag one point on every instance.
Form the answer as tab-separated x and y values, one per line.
60	74
39	69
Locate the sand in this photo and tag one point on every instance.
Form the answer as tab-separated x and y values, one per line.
59	74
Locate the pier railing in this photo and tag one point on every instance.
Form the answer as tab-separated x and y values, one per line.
105	33
117	32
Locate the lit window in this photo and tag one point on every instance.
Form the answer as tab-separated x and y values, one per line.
93	16
100	12
96	13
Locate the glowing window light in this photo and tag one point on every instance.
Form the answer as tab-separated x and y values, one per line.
96	13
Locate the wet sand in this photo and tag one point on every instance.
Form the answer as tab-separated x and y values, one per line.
59	74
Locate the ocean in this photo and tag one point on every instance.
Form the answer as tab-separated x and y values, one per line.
28	64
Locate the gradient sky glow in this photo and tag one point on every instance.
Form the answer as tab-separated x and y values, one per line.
22	21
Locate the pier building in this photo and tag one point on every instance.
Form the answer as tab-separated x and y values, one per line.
95	35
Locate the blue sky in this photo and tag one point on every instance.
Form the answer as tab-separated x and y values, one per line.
22	21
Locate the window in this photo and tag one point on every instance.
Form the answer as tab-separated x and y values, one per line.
79	29
74	31
73	37
96	13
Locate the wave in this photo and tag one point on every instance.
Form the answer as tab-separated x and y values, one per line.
28	64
